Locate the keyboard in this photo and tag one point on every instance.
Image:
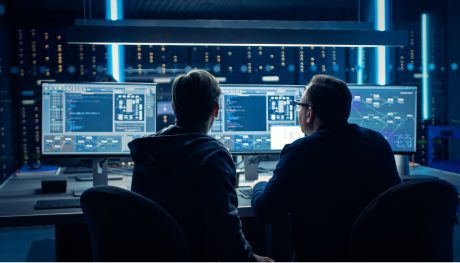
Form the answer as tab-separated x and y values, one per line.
58	203
73	170
247	193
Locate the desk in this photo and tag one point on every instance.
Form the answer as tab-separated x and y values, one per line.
19	195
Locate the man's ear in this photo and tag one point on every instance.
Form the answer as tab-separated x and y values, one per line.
310	115
216	110
172	106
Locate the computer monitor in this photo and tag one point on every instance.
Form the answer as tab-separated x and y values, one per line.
95	119
257	119
390	110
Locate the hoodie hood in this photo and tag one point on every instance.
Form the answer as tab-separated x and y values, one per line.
155	154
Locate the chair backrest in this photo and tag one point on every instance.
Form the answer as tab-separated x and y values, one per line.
126	226
413	221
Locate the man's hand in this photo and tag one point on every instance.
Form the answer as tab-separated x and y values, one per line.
263	259
258	181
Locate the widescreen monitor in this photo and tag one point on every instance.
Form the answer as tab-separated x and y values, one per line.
390	110
96	119
257	119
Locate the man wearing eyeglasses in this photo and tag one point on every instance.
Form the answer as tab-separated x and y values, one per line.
324	181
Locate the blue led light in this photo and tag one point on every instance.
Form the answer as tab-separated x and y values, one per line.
381	19
454	66
268	68
216	68
431	67
335	67
410	66
313	68
425	65
115	52
359	68
113	10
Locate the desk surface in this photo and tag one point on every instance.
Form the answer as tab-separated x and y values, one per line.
19	195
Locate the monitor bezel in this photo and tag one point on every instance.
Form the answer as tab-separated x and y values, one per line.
416	109
43	155
275	152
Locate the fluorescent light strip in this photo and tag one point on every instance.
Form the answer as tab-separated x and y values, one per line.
162	80
222	44
28	102
360	66
270	78
115	54
381	15
381	65
113	10
381	51
425	65
115	62
221	79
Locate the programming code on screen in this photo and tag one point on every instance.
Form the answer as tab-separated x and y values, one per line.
96	118
257	118
244	113
88	113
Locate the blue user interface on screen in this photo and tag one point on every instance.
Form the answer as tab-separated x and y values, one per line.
96	118
390	110
257	118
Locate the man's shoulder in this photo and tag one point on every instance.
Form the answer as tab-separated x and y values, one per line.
366	132
300	144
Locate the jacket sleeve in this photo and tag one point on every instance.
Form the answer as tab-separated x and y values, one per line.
218	201
272	201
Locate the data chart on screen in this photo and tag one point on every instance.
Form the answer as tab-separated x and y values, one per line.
257	119
96	118
390	110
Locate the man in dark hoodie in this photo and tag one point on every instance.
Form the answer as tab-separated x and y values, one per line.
192	175
325	180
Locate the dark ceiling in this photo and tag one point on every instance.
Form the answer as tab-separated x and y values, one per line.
308	10
65	11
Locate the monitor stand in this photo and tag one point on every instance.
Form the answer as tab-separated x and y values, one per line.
402	165
251	170
100	174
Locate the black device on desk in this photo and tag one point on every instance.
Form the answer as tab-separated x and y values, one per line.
95	120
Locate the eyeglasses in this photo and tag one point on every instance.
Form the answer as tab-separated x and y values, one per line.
298	105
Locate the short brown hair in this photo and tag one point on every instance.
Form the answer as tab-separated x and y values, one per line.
330	97
194	96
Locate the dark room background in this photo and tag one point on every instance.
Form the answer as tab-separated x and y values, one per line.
33	48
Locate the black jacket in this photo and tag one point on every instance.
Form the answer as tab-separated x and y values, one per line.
324	181
192	176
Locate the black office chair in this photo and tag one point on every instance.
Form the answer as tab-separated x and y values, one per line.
125	226
413	221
